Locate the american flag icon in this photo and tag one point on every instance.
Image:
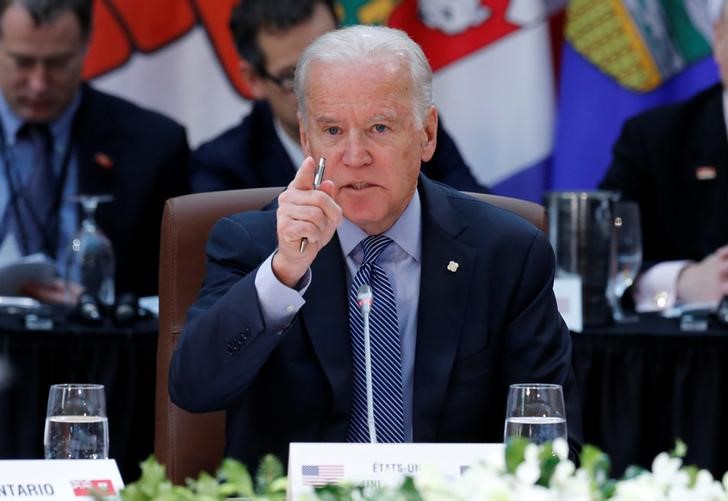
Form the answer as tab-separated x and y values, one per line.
322	474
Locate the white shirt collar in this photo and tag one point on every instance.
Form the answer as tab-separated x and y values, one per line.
293	148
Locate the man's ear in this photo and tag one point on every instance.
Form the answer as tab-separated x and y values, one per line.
305	146
252	80
429	134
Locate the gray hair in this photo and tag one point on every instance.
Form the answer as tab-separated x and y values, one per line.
367	43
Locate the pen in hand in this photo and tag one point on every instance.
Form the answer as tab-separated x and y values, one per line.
318	178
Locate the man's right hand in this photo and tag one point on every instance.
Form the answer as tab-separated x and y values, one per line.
706	280
304	213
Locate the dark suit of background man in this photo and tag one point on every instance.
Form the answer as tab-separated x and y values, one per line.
268	339
101	144
673	161
264	149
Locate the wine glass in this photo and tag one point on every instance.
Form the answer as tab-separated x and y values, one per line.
76	425
90	261
535	411
627	257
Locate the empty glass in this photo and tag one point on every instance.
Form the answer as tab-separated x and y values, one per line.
627	257
535	411
91	258
76	424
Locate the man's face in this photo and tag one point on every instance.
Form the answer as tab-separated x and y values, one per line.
720	46
40	66
281	51
361	118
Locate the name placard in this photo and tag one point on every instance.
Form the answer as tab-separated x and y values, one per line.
71	479
567	290
315	464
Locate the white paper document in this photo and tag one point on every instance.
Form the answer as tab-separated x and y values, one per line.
16	271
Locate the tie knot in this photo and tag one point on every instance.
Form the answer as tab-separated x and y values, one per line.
38	133
373	247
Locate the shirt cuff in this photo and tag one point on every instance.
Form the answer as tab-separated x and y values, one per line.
656	288
278	302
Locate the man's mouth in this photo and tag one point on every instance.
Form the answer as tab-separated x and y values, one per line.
359	186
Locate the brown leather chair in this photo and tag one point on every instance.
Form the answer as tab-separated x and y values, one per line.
190	443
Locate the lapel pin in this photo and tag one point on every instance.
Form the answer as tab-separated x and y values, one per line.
705	173
104	160
452	266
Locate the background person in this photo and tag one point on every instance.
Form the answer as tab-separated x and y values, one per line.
91	143
673	161
264	149
274	337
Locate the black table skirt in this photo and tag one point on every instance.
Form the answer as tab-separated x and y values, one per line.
122	359
644	385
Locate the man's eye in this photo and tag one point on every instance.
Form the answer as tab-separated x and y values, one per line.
57	63
332	131
24	62
380	128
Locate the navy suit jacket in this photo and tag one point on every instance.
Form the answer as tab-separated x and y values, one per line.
250	155
656	162
491	323
141	158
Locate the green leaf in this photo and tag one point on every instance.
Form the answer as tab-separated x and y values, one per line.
692	472
548	467
235	479
206	486
270	470
680	449
515	453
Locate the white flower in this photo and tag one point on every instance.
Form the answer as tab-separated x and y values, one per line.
561	448
666	471
640	488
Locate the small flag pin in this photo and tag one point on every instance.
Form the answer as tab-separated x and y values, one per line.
453	266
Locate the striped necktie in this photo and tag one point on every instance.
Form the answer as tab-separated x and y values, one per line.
386	356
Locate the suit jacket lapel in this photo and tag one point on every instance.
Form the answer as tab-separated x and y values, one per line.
440	318
709	147
96	148
325	317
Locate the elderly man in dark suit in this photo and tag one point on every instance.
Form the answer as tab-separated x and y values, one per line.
60	138
264	149
673	161
463	303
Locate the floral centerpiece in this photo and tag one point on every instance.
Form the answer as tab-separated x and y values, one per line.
525	472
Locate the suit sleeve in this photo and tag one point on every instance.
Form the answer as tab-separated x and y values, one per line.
225	341
538	343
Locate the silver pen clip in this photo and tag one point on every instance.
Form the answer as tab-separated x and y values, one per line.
318	178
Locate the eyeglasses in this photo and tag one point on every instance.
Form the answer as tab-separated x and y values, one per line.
285	82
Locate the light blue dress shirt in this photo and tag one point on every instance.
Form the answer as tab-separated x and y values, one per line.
401	260
20	154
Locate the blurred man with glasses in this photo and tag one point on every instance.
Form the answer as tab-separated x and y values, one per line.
264	149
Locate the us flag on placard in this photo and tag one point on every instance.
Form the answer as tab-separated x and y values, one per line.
322	474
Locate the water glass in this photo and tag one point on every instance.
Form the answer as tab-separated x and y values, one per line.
627	257
90	261
76	425
535	411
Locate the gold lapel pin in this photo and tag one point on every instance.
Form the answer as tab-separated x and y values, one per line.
452	266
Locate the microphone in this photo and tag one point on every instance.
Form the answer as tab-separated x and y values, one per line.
88	309
125	311
364	299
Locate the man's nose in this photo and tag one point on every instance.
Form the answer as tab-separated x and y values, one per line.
356	151
38	77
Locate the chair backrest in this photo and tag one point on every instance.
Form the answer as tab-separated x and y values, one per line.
190	443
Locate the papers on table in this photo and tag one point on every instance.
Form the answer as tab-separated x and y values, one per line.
16	271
